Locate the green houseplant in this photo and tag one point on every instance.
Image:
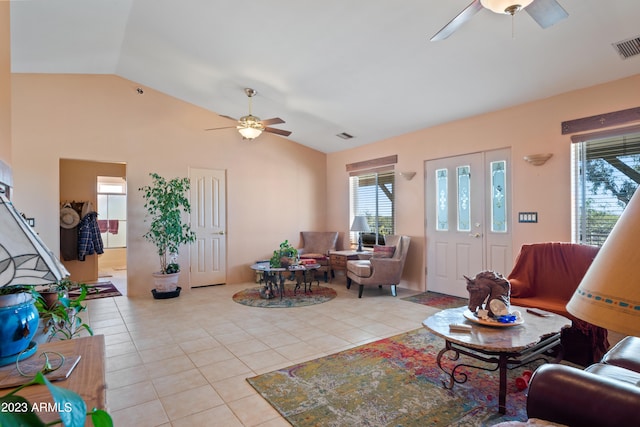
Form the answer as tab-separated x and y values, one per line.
166	201
60	317
283	256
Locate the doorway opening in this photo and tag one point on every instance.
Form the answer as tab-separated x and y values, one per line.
112	221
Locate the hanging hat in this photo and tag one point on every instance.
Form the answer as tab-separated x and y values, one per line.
69	218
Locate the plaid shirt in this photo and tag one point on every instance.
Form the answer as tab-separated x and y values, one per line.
89	239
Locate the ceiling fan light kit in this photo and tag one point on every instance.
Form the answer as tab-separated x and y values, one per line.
508	7
250	126
545	12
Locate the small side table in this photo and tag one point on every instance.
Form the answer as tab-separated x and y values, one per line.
338	260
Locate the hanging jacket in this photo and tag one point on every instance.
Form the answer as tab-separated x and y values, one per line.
89	239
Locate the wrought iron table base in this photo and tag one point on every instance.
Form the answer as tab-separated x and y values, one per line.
503	361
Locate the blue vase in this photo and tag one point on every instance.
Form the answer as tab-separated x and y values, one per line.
18	324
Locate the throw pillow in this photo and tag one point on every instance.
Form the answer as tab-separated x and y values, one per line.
380	251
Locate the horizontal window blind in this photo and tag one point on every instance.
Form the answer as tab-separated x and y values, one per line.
372	194
606	174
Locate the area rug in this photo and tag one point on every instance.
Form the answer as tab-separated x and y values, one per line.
438	300
318	295
391	382
98	290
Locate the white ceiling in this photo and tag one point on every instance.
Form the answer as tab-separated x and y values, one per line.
365	67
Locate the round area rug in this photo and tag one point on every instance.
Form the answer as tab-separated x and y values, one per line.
252	298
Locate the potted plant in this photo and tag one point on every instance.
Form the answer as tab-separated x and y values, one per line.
166	201
59	317
284	256
18	323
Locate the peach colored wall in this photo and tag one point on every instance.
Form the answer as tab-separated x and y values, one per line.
527	129
275	187
5	86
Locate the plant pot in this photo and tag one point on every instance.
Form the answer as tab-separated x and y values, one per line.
165	282
18	325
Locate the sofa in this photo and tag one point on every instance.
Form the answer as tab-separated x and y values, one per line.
316	245
603	394
545	276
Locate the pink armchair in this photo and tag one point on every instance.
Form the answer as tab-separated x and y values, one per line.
316	245
379	270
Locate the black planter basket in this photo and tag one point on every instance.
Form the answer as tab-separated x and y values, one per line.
165	295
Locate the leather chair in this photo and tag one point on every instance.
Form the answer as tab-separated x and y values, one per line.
544	276
604	394
316	245
379	270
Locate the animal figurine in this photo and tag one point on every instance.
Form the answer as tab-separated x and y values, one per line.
485	287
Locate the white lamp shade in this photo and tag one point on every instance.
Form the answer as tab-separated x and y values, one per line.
500	6
24	259
360	224
249	132
609	294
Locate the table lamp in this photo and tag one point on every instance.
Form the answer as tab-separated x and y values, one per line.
26	261
609	294
359	225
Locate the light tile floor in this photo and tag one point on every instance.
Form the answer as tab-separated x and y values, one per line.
184	361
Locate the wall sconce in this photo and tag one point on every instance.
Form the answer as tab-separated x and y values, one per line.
407	175
538	159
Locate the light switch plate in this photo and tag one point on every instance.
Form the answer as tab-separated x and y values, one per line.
528	217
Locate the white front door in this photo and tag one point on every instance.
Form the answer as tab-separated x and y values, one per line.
209	222
466	219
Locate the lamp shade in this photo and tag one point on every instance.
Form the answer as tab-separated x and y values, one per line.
500	6
609	294
249	132
360	224
24	259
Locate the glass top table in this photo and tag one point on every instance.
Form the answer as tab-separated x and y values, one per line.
274	278
506	346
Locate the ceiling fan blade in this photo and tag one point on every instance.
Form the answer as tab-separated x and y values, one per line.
224	127
274	121
457	22
278	131
546	12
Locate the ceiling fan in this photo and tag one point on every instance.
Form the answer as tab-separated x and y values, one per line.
544	12
250	126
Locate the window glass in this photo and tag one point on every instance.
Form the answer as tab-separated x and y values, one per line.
372	195
464	197
606	173
498	196
442	202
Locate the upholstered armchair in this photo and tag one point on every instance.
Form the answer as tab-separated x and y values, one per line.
316	245
384	268
544	276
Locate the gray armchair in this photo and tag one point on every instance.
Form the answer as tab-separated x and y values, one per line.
316	245
379	270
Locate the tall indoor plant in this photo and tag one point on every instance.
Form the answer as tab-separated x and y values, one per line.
166	201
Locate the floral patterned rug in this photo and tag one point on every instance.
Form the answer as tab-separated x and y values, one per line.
391	382
435	299
318	295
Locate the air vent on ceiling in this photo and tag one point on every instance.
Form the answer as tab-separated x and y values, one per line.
628	48
344	135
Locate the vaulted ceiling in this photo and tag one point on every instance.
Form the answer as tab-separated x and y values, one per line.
362	67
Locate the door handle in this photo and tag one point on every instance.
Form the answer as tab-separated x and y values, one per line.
221	233
476	235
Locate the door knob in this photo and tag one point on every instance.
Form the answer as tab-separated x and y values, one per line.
221	232
476	235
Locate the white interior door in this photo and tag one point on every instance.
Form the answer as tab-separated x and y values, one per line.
208	221
466	219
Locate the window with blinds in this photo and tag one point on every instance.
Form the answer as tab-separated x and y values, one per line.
606	174
372	194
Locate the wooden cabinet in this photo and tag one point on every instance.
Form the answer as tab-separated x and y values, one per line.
338	260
